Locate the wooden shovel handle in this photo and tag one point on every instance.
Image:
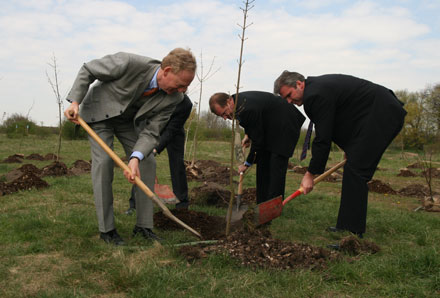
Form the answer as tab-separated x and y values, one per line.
315	181
137	181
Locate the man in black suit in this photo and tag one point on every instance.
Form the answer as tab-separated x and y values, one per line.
173	139
360	117
273	126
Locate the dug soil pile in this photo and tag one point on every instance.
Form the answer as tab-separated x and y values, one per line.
380	187
208	171
252	248
214	194
415	190
25	181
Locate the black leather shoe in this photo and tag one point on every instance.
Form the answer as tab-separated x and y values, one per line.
182	205
112	237
130	211
146	233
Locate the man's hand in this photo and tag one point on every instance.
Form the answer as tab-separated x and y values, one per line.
242	168
71	112
246	142
133	164
307	182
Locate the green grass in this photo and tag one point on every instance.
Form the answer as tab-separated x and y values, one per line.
50	247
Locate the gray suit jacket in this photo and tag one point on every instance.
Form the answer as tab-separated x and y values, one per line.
122	78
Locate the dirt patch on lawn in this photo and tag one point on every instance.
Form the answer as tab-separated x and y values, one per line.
257	249
381	187
25	181
210	227
208	171
355	246
57	168
214	194
80	167
16	158
405	172
415	190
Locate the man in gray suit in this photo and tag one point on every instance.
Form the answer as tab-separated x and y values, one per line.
132	99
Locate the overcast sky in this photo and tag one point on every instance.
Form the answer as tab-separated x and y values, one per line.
391	42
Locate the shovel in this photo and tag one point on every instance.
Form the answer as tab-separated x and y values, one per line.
239	210
165	193
137	180
266	211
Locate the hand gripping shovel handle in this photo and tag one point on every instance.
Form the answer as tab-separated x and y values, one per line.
315	181
138	181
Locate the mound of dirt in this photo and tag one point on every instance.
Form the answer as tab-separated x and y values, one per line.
214	194
406	173
431	172
208	171
24	182
415	190
355	246
80	167
210	227
415	165
257	249
381	187
57	168
35	156
300	169
16	158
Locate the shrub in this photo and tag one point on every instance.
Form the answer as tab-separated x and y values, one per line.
71	131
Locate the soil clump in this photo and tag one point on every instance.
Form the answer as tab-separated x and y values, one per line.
405	172
57	168
208	171
381	187
26	181
355	246
415	190
16	158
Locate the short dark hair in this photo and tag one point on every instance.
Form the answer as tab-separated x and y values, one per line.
219	98
287	78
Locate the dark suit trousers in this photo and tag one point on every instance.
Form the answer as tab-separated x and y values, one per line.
363	156
271	175
175	149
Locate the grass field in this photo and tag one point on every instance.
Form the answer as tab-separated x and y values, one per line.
50	246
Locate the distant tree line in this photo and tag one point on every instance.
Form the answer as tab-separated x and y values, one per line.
422	123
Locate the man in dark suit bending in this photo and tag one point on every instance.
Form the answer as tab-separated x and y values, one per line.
273	126
360	117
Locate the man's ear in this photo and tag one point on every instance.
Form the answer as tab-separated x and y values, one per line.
166	70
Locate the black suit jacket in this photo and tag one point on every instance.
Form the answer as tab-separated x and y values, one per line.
175	125
270	122
346	110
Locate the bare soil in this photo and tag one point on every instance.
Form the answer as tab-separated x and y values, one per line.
26	181
208	171
414	190
405	172
381	187
214	194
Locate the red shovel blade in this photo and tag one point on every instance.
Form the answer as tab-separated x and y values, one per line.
165	193
268	210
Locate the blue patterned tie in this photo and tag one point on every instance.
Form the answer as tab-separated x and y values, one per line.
306	144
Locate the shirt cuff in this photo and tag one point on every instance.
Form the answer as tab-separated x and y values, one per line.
137	154
247	164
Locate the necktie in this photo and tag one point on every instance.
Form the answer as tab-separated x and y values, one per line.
307	141
150	92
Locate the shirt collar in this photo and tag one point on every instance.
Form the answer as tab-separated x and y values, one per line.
153	82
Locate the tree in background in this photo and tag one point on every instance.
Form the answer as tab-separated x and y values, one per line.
54	83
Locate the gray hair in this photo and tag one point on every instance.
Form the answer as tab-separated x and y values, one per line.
287	78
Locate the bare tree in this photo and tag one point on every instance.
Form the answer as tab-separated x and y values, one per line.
54	83
247	6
